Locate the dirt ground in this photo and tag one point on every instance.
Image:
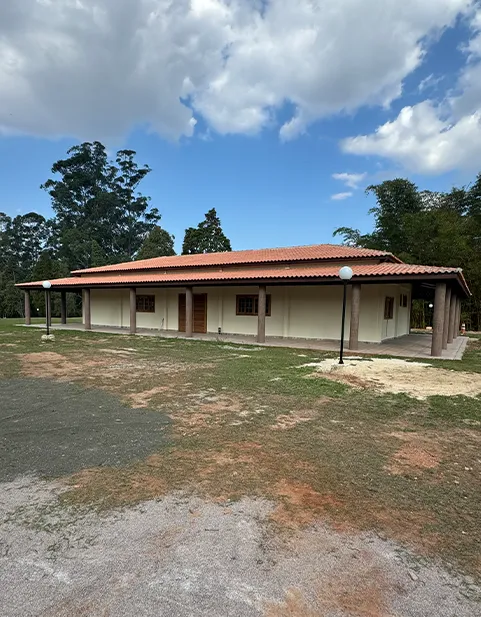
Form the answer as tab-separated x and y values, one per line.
156	477
182	556
417	379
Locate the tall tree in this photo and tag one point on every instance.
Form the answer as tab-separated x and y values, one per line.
159	243
96	201
207	237
428	228
21	241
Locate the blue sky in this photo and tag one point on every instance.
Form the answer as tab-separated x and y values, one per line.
254	130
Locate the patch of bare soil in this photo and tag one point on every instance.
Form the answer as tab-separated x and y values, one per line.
290	420
119	352
300	504
140	400
51	365
418	452
417	379
206	408
356	595
106	371
8	344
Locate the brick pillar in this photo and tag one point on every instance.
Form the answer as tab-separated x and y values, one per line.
133	310
355	312
87	312
261	315
189	311
28	312
438	319
447	308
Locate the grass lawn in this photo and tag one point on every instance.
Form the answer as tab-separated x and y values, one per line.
239	421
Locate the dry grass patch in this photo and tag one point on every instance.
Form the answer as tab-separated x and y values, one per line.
418	452
143	399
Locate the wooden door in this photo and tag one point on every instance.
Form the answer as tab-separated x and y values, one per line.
199	313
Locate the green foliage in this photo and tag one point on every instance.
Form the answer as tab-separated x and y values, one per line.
207	237
159	243
99	213
428	228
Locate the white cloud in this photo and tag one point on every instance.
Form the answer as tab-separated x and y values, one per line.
350	180
341	196
430	83
98	68
434	138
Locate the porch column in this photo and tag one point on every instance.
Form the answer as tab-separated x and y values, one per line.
133	310
189	311
447	308
87	313
355	311
438	319
28	314
261	315
453	309
457	325
63	307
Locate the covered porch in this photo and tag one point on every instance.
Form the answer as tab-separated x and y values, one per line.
303	306
409	346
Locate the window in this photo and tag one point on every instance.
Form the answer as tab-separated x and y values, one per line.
389	308
249	305
403	301
145	304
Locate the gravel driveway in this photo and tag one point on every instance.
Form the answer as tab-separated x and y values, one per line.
182	557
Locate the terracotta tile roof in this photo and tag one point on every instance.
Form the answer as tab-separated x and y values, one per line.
289	254
315	272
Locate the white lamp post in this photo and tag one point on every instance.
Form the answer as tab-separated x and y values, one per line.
47	285
345	274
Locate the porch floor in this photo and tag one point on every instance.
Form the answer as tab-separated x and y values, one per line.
410	346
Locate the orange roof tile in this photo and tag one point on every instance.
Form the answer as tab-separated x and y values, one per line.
315	272
289	254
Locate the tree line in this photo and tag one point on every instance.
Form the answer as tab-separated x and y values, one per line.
428	228
100	217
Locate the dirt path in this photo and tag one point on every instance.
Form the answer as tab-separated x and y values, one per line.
185	557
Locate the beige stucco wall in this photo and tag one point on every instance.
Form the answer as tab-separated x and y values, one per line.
312	311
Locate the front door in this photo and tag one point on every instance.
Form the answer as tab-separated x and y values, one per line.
199	313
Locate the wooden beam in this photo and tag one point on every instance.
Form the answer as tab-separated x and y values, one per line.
63	307
355	312
133	310
438	319
28	311
87	311
261	314
189	311
453	307
447	308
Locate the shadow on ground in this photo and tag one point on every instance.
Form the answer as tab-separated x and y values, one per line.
55	429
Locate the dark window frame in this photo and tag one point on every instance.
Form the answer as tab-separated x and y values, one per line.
403	301
145	303
389	307
254	299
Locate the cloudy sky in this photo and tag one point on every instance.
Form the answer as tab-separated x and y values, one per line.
276	112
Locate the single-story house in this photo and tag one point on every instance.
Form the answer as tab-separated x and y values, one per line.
280	292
